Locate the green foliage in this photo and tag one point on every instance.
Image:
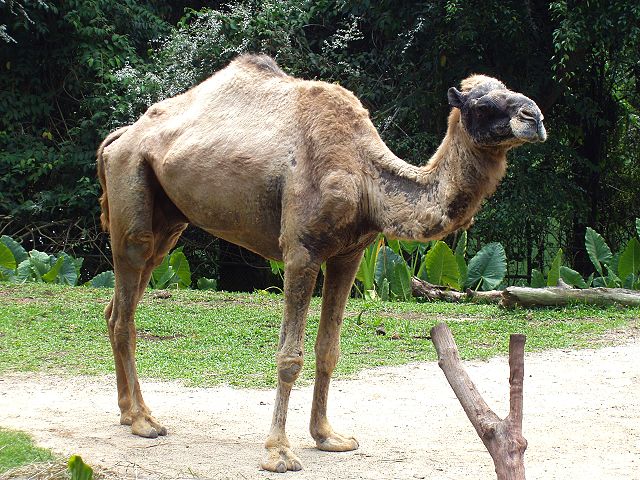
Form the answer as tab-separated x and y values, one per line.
537	279
441	266
488	268
615	270
19	253
207	283
174	271
103	280
7	261
571	277
629	262
78	469
598	250
461	251
41	267
553	275
367	270
392	275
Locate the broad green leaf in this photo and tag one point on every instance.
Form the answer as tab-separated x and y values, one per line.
79	470
52	274
70	270
103	280
367	270
613	266
161	274
612	280
599	282
441	266
25	271
384	290
537	279
410	246
207	283
393	268
277	267
7	259
488	268
589	280
554	271
41	263
571	277
461	244
462	270
598	250
178	261
629	259
19	253
394	245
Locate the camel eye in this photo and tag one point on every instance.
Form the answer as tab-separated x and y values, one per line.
484	109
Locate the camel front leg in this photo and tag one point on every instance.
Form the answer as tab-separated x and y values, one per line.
339	276
299	279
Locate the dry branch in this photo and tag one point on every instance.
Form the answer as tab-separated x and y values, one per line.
502	438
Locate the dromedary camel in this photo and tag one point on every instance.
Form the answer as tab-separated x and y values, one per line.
293	170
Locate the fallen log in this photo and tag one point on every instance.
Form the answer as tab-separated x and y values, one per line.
429	291
558	296
502	438
529	297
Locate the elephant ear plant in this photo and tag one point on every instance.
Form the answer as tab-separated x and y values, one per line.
612	270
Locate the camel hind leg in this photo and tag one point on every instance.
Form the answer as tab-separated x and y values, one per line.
143	228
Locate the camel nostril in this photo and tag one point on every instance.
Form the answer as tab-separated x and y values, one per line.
527	114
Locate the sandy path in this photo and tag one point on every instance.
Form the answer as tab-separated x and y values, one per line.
581	418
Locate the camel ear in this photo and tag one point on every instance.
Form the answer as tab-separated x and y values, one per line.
456	97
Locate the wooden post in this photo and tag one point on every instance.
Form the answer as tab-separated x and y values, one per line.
502	438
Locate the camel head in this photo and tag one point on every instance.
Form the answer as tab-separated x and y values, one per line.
495	116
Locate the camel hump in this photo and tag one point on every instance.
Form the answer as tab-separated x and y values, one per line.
262	62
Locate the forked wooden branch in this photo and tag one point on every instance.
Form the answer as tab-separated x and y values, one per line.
502	438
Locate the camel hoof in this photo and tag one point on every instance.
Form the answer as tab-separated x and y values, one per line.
337	443
146	426
280	460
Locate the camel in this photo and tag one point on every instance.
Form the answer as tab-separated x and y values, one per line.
293	170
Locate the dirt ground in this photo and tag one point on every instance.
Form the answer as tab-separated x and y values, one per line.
581	419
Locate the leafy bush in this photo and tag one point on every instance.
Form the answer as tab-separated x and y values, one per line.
621	269
387	266
174	271
18	265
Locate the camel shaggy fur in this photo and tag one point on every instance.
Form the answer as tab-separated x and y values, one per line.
293	170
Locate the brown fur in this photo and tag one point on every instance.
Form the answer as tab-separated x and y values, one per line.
104	199
293	170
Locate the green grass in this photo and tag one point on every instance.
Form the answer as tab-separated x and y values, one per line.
207	338
17	449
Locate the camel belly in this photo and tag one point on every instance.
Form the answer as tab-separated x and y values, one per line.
233	198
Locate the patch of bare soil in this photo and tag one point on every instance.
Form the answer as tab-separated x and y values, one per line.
581	418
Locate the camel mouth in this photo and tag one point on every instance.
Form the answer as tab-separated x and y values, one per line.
528	128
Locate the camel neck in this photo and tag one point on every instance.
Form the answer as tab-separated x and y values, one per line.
423	203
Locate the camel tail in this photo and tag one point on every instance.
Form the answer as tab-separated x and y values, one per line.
104	199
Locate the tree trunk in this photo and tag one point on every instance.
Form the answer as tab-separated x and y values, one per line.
502	438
